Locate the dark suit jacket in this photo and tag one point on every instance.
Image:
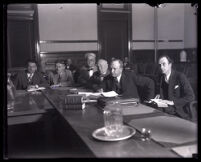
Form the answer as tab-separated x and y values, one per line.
179	91
21	81
95	83
131	84
83	77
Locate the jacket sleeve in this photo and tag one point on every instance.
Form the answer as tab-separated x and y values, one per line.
186	95
70	80
146	85
43	82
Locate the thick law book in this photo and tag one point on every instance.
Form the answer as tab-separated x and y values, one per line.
75	106
74	99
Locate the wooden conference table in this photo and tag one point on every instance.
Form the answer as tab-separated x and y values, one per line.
39	126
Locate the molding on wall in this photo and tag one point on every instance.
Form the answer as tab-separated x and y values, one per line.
68	41
152	41
65	52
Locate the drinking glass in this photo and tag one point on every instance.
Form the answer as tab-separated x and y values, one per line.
113	119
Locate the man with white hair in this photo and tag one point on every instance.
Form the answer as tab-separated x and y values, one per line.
87	70
96	81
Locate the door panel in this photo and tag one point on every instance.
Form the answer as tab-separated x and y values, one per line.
113	35
21	42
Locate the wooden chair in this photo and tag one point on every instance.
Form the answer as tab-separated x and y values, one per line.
193	110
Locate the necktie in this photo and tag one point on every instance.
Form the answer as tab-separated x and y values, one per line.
30	77
59	78
117	85
166	80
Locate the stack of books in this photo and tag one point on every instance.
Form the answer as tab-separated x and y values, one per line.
74	102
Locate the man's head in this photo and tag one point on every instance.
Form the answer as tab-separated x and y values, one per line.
60	66
69	61
165	64
102	66
31	66
91	59
116	67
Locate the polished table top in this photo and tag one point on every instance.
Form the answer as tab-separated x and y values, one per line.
91	118
85	121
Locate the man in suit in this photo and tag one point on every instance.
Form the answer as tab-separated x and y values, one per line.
61	76
30	78
128	84
175	89
86	71
96	81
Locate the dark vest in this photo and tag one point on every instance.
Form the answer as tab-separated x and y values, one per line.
165	86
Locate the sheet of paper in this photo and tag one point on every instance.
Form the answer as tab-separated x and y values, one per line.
139	109
90	93
109	94
186	151
35	89
159	102
168	128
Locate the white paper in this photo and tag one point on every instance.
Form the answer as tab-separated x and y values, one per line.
109	94
186	151
90	93
160	102
35	89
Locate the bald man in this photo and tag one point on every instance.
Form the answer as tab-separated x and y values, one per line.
96	81
86	71
128	84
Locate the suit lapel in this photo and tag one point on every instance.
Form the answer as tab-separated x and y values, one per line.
171	84
122	82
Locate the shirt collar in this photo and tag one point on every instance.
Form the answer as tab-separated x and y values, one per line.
119	77
168	76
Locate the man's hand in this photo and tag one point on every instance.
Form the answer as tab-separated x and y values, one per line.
32	86
168	102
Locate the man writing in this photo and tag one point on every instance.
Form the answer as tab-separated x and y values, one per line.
175	89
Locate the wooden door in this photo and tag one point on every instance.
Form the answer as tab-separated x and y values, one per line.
21	34
114	35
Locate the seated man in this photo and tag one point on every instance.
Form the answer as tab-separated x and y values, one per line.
127	83
61	76
127	64
87	70
30	78
73	69
96	81
175	89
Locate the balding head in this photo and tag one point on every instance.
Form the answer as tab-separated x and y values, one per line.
116	67
102	66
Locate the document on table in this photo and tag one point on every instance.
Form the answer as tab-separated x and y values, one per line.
110	94
90	93
168	128
159	102
138	109
186	151
105	94
35	89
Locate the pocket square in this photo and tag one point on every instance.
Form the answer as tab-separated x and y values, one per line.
176	86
